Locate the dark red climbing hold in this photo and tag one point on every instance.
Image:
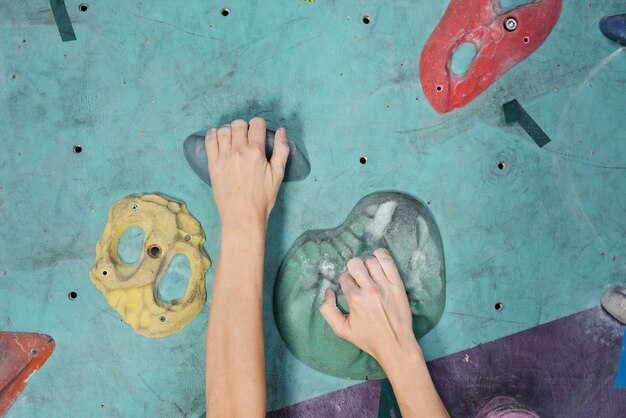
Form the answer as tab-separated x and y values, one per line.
21	354
502	39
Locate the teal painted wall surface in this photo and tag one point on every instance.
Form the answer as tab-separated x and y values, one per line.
544	236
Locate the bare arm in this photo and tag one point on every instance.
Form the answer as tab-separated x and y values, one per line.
380	323
245	186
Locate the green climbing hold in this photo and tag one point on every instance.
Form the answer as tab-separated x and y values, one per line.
395	221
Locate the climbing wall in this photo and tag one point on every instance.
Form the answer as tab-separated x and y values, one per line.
98	97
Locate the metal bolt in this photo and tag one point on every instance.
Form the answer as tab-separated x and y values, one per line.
510	24
162	318
134	207
187	238
34	352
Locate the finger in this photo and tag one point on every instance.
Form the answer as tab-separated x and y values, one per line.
280	155
338	322
357	269
256	132
388	266
376	272
224	140
239	129
210	144
347	283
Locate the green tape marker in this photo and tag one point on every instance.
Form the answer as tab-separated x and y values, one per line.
64	24
514	112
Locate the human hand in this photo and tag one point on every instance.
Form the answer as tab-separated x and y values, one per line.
245	184
380	320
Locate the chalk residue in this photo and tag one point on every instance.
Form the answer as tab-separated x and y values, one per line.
378	226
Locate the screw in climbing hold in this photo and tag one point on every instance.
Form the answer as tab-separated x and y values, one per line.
187	238
134	207
510	24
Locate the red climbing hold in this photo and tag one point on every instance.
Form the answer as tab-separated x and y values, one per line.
21	354
502	39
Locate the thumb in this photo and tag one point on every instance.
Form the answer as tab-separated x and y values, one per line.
279	155
337	321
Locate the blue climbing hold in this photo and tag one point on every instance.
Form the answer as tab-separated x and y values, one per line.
297	167
614	28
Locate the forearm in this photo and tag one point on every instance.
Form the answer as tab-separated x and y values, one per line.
235	372
413	386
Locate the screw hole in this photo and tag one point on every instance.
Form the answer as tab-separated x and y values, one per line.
104	273
526	39
134	207
154	251
72	295
501	165
499	306
78	149
439	88
363	160
367	19
34	352
83	7
225	12
162	318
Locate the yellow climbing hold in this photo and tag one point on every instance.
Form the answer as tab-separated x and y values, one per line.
131	289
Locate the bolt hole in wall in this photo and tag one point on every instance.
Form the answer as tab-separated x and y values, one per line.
78	149
499	306
526	39
83	7
367	19
72	295
501	165
363	159
154	251
225	12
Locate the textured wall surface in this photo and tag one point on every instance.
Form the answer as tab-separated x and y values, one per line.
544	236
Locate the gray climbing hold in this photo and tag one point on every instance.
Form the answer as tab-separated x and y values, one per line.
297	167
614	301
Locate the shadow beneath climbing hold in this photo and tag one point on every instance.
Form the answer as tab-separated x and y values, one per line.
395	221
614	28
21	355
297	168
